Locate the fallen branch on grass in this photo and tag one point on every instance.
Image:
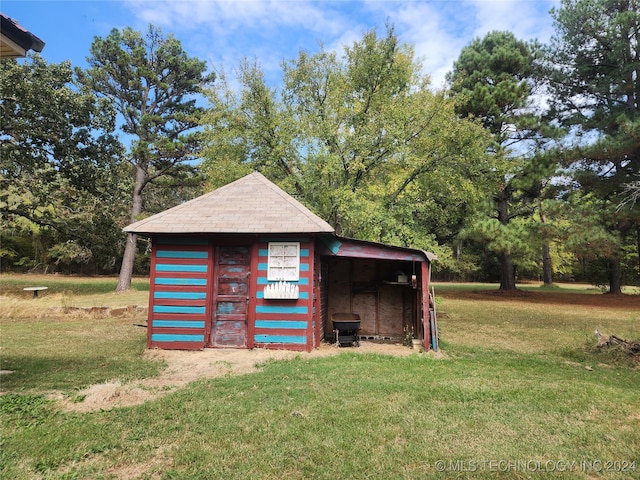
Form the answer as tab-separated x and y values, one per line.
612	341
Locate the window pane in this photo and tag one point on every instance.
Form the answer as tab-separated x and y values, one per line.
289	274
284	261
289	261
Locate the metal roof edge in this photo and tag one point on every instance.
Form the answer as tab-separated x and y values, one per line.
335	246
20	35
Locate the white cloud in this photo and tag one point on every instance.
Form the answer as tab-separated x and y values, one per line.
223	32
526	19
428	29
259	16
271	31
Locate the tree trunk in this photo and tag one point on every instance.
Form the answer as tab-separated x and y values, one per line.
615	282
129	257
128	260
547	267
507	272
638	245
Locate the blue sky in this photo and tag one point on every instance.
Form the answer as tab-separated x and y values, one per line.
223	32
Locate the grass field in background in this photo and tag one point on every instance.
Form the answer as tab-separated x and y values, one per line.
520	393
69	291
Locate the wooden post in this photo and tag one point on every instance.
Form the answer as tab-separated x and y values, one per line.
424	287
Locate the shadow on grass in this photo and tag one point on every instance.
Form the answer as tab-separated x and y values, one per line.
70	373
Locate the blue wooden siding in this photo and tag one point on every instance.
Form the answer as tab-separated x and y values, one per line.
281	309
284	323
280	324
177	324
164	267
178	309
181	295
180	281
180	254
178	303
170	339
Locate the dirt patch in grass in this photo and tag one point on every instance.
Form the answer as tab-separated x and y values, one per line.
184	367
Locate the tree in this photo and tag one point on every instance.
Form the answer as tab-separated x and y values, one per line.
632	194
594	63
58	161
153	84
359	138
494	80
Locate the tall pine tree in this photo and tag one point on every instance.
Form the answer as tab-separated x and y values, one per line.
594	75
494	80
153	84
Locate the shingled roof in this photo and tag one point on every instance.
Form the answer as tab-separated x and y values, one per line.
251	204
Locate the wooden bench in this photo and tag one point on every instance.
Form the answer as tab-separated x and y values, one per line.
35	290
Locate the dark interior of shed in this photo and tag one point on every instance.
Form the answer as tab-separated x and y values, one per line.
384	293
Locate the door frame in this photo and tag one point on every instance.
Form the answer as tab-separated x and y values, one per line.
214	254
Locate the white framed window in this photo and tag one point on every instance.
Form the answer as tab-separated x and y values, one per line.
284	261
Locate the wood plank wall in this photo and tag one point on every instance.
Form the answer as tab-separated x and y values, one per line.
322	301
178	293
366	287
285	324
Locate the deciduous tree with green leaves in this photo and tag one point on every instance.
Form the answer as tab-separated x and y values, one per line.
154	85
59	162
360	138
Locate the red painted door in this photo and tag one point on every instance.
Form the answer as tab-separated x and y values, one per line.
231	297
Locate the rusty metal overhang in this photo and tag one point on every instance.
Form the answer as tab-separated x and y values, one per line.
333	245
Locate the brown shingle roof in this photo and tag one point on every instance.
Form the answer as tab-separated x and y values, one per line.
251	204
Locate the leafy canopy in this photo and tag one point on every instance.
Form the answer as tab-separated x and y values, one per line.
58	162
360	138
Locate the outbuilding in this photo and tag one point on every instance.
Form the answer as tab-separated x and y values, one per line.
247	266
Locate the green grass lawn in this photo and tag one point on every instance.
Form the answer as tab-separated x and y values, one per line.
520	393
